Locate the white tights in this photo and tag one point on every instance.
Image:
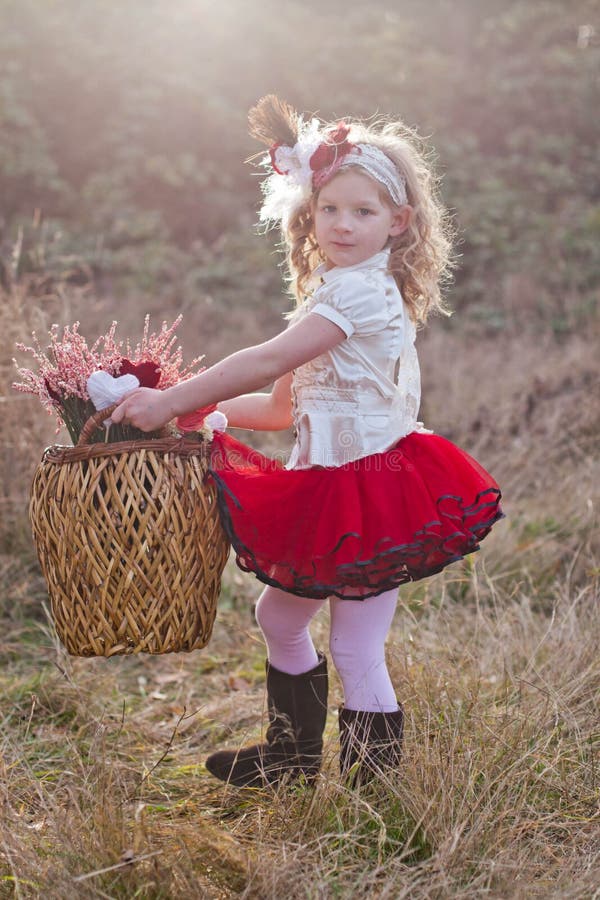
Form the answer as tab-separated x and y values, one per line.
356	641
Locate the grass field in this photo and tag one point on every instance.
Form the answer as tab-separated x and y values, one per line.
103	792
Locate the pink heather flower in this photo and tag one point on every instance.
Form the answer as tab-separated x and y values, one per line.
63	367
158	348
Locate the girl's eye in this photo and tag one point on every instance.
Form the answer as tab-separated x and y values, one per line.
327	208
364	211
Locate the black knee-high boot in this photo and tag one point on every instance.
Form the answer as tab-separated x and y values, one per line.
294	739
371	739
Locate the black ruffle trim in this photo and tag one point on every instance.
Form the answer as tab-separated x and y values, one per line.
390	566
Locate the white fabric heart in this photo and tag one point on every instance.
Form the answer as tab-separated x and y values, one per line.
104	390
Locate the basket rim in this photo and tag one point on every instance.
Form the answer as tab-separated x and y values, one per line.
180	445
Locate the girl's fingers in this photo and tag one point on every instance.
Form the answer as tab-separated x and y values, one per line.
119	413
141	408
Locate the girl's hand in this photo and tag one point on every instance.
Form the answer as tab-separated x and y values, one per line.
145	408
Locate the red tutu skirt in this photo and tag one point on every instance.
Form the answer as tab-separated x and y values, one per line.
358	529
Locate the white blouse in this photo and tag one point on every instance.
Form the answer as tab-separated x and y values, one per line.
362	396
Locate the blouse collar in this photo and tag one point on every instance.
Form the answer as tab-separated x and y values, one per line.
378	261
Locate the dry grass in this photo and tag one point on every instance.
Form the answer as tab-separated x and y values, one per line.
102	786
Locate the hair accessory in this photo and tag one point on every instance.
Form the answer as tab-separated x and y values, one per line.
381	168
290	183
312	161
330	154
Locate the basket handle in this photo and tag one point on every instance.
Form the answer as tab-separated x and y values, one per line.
98	418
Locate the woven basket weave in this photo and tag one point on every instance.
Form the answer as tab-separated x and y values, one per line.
130	543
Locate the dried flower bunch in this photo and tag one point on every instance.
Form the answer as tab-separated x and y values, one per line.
60	378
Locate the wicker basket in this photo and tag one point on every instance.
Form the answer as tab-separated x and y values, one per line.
130	543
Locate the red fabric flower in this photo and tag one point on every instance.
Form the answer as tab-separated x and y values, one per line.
193	421
147	373
333	149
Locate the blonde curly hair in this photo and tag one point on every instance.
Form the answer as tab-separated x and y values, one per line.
420	258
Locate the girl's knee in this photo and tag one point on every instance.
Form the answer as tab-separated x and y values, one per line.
352	654
267	611
278	612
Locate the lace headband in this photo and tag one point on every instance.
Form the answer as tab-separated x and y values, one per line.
380	167
313	161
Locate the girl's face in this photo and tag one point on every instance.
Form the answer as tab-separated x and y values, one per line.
352	221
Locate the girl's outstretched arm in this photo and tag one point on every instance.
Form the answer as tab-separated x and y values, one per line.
242	372
265	412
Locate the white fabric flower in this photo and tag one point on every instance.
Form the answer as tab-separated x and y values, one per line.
216	420
284	194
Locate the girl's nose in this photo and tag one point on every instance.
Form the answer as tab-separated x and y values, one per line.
342	223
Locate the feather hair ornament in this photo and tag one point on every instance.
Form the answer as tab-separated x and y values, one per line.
273	121
291	142
303	156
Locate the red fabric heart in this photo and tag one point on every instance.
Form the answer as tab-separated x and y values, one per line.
147	373
193	421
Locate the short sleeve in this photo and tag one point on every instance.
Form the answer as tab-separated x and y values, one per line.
357	303
329	311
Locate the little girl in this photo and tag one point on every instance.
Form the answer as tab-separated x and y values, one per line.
369	498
